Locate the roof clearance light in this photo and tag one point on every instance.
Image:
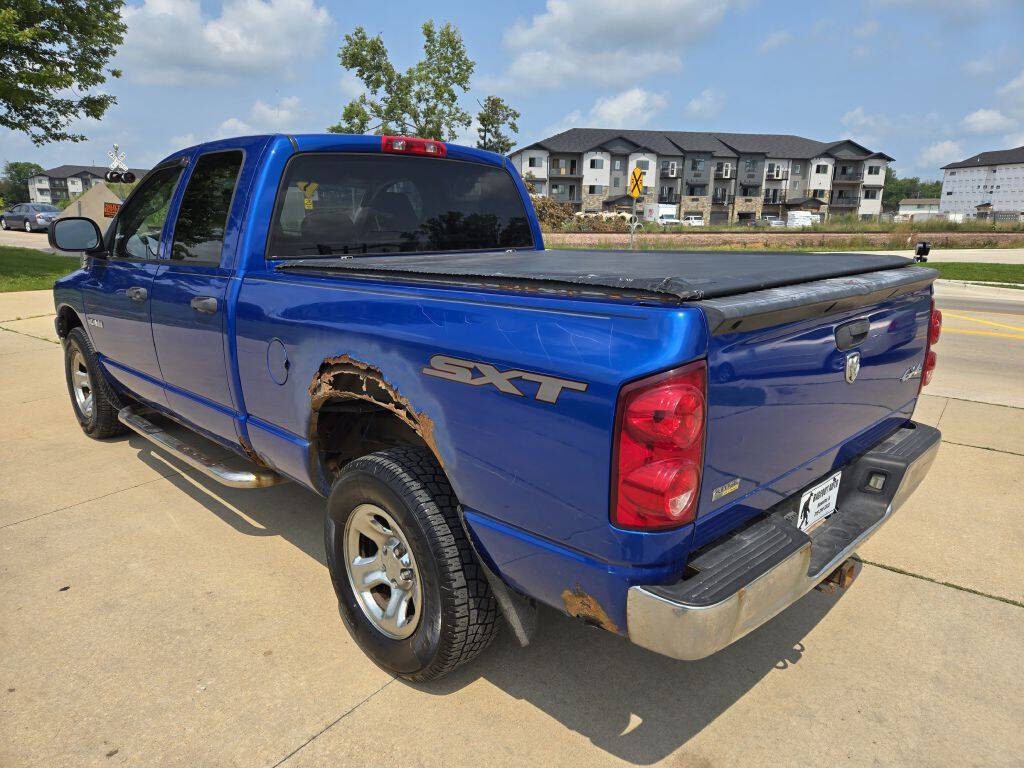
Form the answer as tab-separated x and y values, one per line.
407	145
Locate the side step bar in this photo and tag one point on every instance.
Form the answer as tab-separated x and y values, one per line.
133	417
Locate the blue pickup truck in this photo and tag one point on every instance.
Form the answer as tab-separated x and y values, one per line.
669	446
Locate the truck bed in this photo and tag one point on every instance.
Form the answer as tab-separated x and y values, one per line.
671	275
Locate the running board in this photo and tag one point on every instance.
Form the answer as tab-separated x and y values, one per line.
133	417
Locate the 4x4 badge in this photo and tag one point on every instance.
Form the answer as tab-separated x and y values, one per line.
852	366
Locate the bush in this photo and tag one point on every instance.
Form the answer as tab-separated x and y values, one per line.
595	224
552	215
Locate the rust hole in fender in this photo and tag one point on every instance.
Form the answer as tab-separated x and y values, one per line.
581	605
344	377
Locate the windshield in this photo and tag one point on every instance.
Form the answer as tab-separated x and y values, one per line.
343	203
47	208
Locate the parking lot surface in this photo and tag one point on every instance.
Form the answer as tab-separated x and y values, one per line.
150	617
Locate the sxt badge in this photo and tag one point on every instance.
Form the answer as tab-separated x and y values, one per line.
454	369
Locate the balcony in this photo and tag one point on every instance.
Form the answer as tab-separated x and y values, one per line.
722	199
774	200
671	173
669	199
848	178
851	201
571	170
725	174
778	175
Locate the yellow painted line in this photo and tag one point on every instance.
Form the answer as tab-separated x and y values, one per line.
983	333
983	322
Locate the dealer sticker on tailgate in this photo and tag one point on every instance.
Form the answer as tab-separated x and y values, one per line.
818	502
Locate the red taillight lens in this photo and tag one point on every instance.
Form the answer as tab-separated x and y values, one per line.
659	449
928	369
408	145
935	326
934	332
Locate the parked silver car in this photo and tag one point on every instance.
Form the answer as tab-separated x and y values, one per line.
30	217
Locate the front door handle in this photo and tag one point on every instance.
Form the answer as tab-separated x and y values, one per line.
205	304
137	293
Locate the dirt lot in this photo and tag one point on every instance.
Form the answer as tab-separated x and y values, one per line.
149	617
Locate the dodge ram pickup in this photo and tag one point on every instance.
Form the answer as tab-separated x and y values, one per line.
669	446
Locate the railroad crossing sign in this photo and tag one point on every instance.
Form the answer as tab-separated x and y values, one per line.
636	183
118	168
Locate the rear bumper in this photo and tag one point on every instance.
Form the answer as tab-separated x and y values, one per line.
753	574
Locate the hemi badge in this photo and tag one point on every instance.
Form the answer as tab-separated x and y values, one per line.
725	490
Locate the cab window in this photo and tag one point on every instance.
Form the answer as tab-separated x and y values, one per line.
202	219
141	220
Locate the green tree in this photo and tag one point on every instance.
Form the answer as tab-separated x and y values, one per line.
52	52
897	189
494	115
14	183
422	100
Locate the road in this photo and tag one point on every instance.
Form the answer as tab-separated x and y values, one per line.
150	617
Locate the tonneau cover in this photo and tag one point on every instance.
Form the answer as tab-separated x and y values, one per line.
685	275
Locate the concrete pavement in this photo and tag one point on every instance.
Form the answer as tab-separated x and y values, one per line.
150	617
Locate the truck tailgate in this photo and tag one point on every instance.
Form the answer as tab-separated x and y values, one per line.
781	392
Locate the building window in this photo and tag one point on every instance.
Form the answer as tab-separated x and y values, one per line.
870	194
664	165
697	165
617	165
873	170
952	173
597	162
821	168
534	162
797	168
749	165
594	189
617	182
643	165
819	194
557	189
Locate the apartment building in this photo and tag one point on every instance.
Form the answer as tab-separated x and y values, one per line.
66	181
722	177
987	184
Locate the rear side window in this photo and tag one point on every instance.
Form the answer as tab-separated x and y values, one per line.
199	231
346	203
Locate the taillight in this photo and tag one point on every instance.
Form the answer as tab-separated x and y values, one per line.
659	449
934	332
407	145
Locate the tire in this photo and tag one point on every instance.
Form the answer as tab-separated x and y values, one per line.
98	416
457	615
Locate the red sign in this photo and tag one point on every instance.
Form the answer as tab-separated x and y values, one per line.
110	210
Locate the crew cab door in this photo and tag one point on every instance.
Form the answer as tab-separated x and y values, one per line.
116	294
188	298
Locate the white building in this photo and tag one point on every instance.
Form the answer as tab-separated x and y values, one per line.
66	181
995	178
919	207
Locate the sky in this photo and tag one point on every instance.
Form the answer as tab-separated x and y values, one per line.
925	81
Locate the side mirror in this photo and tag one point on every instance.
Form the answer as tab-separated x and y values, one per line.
75	233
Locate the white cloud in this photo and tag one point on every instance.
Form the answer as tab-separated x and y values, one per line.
987	121
953	7
351	85
866	29
1014	90
284	117
776	40
170	42
1013	140
939	153
632	108
603	41
984	65
180	142
708	103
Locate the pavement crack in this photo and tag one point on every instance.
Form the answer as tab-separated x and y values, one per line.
959	587
86	501
330	725
29	335
984	448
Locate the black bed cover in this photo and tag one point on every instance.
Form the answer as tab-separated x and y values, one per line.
682	275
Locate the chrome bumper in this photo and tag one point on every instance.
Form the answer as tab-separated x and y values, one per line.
690	631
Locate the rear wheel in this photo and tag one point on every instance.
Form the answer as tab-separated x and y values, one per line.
93	400
409	588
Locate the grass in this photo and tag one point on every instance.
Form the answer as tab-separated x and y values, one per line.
982	273
26	269
854	242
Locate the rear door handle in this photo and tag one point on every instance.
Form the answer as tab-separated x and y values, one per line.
137	293
205	304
